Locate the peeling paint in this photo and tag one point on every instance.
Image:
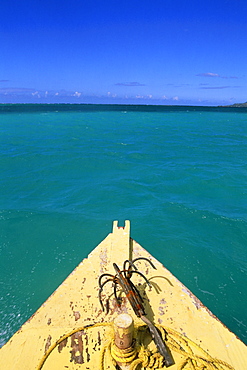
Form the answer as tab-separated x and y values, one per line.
88	354
77	315
99	339
161	311
62	345
77	348
197	303
86	339
103	260
48	343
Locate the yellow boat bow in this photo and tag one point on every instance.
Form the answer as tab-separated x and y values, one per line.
71	331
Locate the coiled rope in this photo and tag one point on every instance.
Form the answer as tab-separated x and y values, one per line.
66	336
139	355
184	347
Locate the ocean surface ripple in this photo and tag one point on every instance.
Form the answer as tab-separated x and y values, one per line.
178	174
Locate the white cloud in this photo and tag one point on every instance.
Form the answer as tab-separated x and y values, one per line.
110	95
36	93
16	90
208	74
77	94
144	96
129	84
175	98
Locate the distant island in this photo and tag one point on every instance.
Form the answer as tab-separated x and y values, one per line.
236	105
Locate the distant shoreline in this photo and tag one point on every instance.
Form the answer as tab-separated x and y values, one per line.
236	105
91	107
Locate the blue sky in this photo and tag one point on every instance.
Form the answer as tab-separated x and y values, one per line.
127	52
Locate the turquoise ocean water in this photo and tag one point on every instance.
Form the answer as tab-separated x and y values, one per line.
177	173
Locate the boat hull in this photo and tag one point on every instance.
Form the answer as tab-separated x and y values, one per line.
72	311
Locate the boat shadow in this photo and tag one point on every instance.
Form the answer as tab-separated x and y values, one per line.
142	288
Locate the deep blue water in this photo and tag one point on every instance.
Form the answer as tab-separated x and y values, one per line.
178	173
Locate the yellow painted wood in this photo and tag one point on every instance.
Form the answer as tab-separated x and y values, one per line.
75	304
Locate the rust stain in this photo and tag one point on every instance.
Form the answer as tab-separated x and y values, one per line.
48	343
198	304
62	345
163	301
99	339
77	315
30	318
162	308
88	354
77	348
86	339
161	311
113	306
103	260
